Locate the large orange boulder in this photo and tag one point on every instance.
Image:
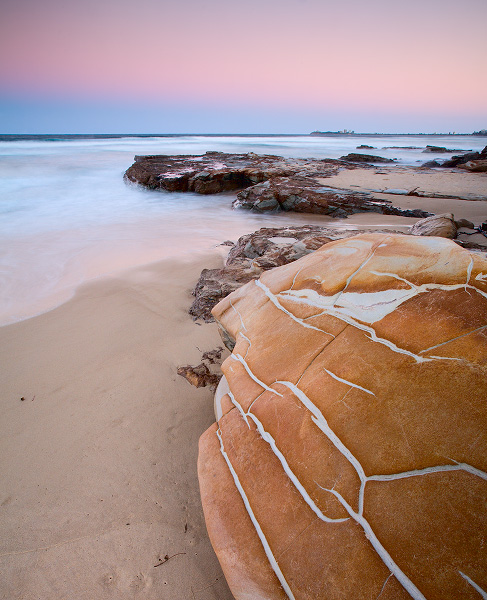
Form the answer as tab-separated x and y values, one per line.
349	458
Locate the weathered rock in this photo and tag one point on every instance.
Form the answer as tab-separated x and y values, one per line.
350	459
199	376
253	254
438	225
213	356
464	223
215	172
476	166
465	158
440	149
304	194
365	158
365	147
431	164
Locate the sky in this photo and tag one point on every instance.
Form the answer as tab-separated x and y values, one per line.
228	66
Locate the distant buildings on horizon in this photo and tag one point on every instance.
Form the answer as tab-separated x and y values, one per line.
481	132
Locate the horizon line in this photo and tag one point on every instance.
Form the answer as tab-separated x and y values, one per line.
312	134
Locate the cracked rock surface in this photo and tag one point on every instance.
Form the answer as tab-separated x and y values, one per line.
253	254
349	457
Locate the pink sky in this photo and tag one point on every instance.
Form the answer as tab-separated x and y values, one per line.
423	59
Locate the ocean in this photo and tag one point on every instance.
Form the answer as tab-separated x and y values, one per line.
67	216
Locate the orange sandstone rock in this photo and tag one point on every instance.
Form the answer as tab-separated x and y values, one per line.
349	458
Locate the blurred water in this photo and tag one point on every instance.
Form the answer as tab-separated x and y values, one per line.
66	215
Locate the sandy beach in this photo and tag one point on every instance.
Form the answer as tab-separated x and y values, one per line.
99	459
99	435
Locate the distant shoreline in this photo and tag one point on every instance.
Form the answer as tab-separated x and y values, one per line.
56	137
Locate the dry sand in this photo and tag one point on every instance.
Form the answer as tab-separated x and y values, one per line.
98	462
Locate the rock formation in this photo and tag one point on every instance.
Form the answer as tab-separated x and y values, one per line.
440	225
365	158
215	172
253	254
461	159
266	182
440	149
350	455
305	194
476	166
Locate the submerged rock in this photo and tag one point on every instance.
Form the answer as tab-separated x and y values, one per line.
440	149
349	459
365	158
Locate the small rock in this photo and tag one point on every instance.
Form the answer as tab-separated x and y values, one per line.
366	158
396	191
476	166
213	356
464	223
199	376
431	164
440	149
437	225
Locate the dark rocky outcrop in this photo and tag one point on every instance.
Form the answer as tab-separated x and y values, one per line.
475	166
301	194
465	158
216	172
440	149
365	147
431	164
365	158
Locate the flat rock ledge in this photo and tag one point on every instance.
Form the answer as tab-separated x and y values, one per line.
266	182
216	172
305	194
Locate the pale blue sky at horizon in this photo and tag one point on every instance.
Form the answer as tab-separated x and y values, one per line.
291	66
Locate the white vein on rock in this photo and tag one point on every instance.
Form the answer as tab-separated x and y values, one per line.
455	338
322	424
239	315
427	471
476	587
267	549
349	279
266	436
379	548
354	385
239	358
369	330
272	297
